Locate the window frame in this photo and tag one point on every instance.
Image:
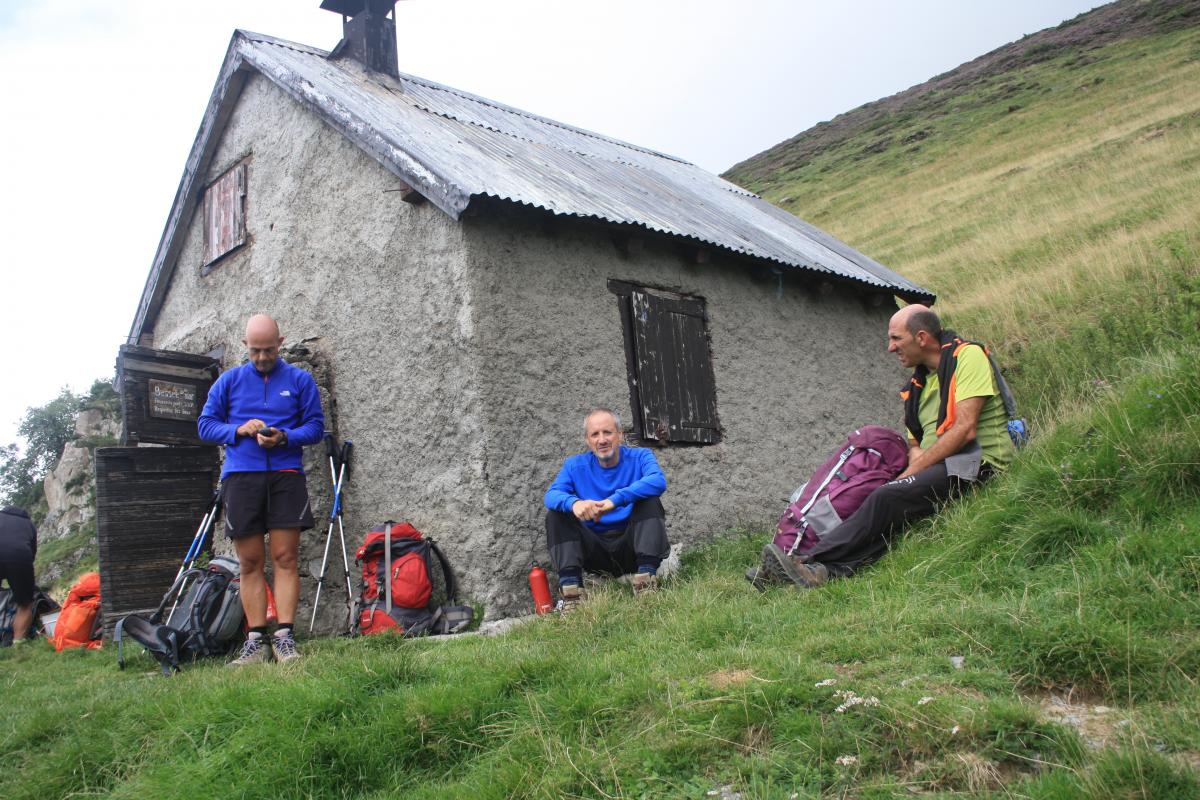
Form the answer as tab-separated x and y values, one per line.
698	375
231	184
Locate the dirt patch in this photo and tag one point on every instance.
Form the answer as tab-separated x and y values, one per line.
1098	725
724	678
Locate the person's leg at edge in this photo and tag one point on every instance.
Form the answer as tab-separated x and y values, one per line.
21	622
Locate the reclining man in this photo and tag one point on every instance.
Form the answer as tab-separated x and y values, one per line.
958	435
264	412
604	513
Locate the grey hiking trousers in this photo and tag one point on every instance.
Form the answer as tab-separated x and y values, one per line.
643	542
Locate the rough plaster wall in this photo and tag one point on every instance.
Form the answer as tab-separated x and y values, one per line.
378	288
794	374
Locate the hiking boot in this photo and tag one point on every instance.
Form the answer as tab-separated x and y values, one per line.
803	575
284	648
254	651
644	583
572	597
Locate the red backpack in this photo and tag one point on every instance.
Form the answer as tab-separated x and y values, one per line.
78	623
413	611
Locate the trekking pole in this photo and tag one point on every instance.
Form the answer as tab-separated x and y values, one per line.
193	551
336	472
346	447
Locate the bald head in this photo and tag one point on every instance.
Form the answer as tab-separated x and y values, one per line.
914	335
262	342
262	325
916	318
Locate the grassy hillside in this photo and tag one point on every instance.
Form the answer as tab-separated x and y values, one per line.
1049	194
1037	641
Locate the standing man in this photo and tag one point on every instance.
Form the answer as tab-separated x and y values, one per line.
264	412
958	436
18	546
604	513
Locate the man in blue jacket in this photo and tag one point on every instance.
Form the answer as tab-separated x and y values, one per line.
604	512
264	412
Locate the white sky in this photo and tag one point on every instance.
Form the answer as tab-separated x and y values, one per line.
101	100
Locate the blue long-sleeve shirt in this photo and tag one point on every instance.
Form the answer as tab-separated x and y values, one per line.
635	477
286	398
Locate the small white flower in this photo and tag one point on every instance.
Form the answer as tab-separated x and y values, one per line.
924	700
826	682
955	730
846	761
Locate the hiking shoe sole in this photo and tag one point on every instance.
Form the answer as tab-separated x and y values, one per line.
805	576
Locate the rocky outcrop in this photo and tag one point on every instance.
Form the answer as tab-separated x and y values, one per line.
69	495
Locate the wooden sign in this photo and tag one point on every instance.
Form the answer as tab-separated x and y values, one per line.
173	400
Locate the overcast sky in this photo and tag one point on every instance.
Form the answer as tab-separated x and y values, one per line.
102	99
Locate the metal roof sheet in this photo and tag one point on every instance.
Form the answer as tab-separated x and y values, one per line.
453	146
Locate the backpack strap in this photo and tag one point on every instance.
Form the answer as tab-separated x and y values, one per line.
447	573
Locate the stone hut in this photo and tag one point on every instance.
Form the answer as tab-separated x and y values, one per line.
473	277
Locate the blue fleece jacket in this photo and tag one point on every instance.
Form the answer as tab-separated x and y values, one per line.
286	398
635	477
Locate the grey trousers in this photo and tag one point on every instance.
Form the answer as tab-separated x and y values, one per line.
576	547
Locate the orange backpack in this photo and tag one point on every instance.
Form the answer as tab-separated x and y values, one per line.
78	623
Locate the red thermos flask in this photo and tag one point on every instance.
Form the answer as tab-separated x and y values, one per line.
542	601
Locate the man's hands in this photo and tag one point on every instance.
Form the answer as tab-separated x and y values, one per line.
591	510
266	437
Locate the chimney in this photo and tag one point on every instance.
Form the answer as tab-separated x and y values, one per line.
368	33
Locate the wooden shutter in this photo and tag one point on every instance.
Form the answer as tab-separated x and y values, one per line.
225	214
675	385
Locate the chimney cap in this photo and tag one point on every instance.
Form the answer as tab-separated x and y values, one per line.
350	8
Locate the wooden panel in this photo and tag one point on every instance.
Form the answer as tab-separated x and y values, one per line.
676	388
149	503
225	214
162	394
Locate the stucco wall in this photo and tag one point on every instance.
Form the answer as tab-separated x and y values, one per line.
795	372
380	287
462	355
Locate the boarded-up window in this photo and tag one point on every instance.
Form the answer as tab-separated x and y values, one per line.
671	386
225	214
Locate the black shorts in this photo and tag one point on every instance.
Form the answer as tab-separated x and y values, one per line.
256	502
19	575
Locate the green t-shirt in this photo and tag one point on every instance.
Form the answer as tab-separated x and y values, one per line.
973	378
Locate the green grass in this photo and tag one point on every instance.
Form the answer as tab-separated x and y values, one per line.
1055	210
1077	571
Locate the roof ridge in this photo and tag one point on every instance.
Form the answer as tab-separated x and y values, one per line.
538	117
485	101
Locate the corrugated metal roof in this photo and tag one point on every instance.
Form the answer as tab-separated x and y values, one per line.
464	146
453	146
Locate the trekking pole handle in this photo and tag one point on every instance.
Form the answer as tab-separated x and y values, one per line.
331	449
345	456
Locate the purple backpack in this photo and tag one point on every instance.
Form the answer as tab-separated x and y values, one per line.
872	456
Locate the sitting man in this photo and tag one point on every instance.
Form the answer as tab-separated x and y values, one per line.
604	512
958	435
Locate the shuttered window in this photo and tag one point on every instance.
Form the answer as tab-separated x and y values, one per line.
671	384
225	214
